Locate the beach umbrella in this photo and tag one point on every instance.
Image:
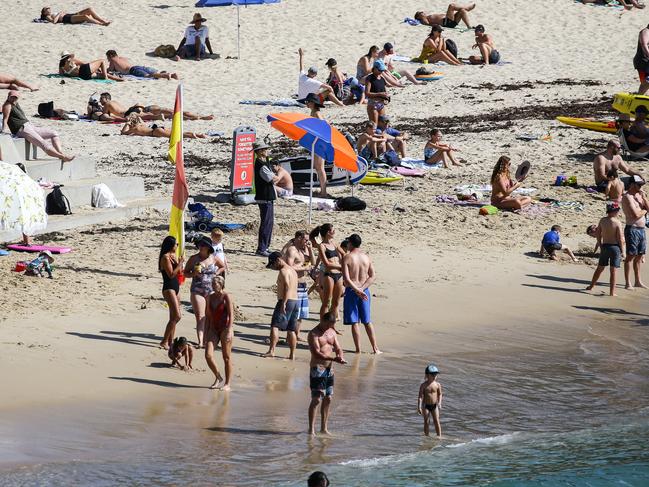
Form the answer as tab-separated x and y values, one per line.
319	137
22	204
237	3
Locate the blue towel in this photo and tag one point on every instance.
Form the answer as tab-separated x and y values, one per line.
284	102
411	21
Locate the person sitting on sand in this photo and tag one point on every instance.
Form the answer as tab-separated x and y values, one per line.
436	151
178	350
146	112
615	187
551	242
337	80
80	17
307	83
376	92
485	44
14	119
454	15
611	159
8	82
610	238
434	49
195	40
369	145
429	401
365	63
75	68
386	54
502	187
122	65
135	126
219	318
282	180
639	126
394	138
637	145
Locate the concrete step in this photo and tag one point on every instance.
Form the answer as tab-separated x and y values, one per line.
87	216
26	150
79	192
54	170
10	152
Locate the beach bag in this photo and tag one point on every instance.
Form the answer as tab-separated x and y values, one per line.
46	110
391	158
103	197
350	203
198	212
56	203
165	50
451	47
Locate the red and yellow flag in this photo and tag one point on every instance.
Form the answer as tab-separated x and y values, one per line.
181	192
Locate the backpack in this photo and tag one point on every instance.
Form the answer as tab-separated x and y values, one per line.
56	203
391	158
46	110
199	212
451	47
350	203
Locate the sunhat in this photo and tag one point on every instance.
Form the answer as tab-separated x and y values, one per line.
523	170
259	145
198	18
312	98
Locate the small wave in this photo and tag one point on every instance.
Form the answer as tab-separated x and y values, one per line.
388	459
490	440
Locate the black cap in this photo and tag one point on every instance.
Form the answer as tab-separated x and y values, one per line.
272	258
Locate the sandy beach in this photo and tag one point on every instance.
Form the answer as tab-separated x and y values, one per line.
523	349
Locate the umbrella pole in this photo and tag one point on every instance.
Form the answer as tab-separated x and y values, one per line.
311	178
238	35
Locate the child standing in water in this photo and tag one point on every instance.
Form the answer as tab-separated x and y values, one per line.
429	401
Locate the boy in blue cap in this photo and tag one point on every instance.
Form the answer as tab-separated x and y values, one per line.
429	401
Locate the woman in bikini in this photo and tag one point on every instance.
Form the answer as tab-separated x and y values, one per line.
219	315
85	15
135	126
454	15
170	267
502	187
436	151
330	256
75	68
434	48
364	65
201	267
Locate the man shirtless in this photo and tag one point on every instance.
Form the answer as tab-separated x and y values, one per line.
454	15
610	238
322	342
485	43
282	180
286	310
122	65
386	54
299	255
370	145
358	276
611	159
135	126
151	112
635	206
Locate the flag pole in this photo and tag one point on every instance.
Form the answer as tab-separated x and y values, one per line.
238	34
311	178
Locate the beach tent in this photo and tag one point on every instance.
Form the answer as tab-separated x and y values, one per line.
237	3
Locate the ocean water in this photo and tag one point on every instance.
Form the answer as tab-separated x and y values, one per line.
522	417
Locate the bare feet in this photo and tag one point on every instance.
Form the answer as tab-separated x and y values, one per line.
268	355
377	352
174	76
164	346
216	382
67	158
628	287
311	432
641	285
175	58
325	431
614	295
589	288
470	7
207	117
226	387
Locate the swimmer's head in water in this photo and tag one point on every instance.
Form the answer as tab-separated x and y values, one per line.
432	370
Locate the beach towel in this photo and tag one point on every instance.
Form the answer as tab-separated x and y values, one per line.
323	204
282	102
529	137
412	163
453	200
486	188
415	60
38	20
569	205
611	4
535	211
97	80
415	22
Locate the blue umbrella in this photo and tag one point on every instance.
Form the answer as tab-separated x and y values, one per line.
238	3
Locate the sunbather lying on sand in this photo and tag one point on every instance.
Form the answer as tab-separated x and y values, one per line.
135	126
502	187
627	4
73	67
80	17
8	82
146	112
122	65
454	15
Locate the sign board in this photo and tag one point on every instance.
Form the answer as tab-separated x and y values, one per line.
242	168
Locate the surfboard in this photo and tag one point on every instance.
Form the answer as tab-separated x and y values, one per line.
3	252
628	102
406	171
39	248
607	126
429	77
381	177
300	171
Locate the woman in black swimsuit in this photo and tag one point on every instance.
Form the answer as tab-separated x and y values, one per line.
170	268
331	278
73	67
80	17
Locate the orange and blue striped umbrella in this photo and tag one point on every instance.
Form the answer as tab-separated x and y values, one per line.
317	136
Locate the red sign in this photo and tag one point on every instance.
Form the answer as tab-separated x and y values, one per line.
243	160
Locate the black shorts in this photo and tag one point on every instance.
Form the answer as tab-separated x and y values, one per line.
494	57
450	23
611	255
286	321
84	72
551	248
67	19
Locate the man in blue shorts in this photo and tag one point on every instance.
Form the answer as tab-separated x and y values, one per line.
635	206
358	276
